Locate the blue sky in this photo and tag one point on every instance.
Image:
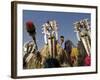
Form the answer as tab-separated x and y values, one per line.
64	20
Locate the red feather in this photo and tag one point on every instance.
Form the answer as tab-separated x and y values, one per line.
29	24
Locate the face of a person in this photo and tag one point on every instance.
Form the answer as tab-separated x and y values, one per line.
62	40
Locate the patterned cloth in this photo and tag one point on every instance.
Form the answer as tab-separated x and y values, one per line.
87	61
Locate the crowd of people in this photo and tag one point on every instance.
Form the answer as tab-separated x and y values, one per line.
77	55
66	53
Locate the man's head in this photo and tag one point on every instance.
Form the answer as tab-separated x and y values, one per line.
61	39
